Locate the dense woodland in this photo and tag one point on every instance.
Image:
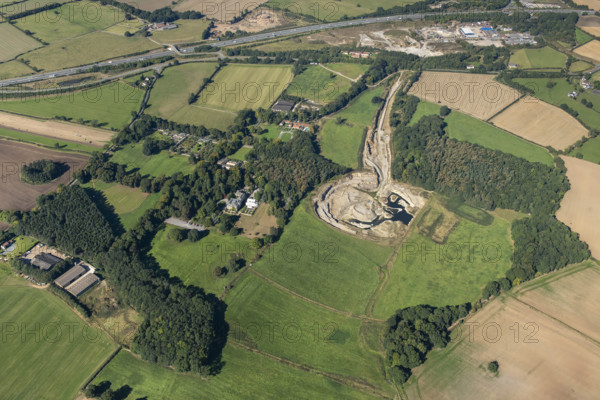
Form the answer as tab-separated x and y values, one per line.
413	332
425	156
42	171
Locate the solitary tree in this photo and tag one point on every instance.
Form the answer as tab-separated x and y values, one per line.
493	366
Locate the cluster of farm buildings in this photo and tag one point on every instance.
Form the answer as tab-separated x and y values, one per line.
77	280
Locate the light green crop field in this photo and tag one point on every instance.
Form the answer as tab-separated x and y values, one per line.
318	85
546	57
582	37
558	95
169	96
245	375
580	66
163	163
131	26
301	332
188	31
194	263
325	265
70	20
75	52
12	69
334	11
341	143
352	71
465	128
426	272
129	203
47	351
14	42
27	5
590	150
237	87
110	104
47	142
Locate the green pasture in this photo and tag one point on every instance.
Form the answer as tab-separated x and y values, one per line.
318	85
590	150
546	57
351	70
163	163
14	42
582	37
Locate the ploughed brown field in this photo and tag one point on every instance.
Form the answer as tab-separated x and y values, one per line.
18	195
580	208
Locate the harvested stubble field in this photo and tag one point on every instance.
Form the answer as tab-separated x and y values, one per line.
14	42
221	10
56	130
590	24
149	5
580	208
590	50
17	195
592	4
522	338
541	123
477	95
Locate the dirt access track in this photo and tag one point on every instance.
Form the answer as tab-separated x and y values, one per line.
360	203
18	195
580	208
57	130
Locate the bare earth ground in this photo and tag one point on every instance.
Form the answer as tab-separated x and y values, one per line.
590	24
580	208
478	95
55	129
589	50
17	195
259	20
592	4
541	123
222	10
258	224
540	353
353	203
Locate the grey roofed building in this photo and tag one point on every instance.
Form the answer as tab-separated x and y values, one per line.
45	261
82	284
283	105
70	276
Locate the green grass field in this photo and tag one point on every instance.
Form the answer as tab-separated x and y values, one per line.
110	104
558	95
424	108
341	143
163	163
318	85
122	27
465	128
129	203
245	375
48	352
452	273
302	332
194	263
12	69
580	66
590	150
188	31
582	37
169	96
27	5
327	266
70	20
75	52
273	132
334	11
237	87
23	244
47	142
351	70
240	154
14	42
546	57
